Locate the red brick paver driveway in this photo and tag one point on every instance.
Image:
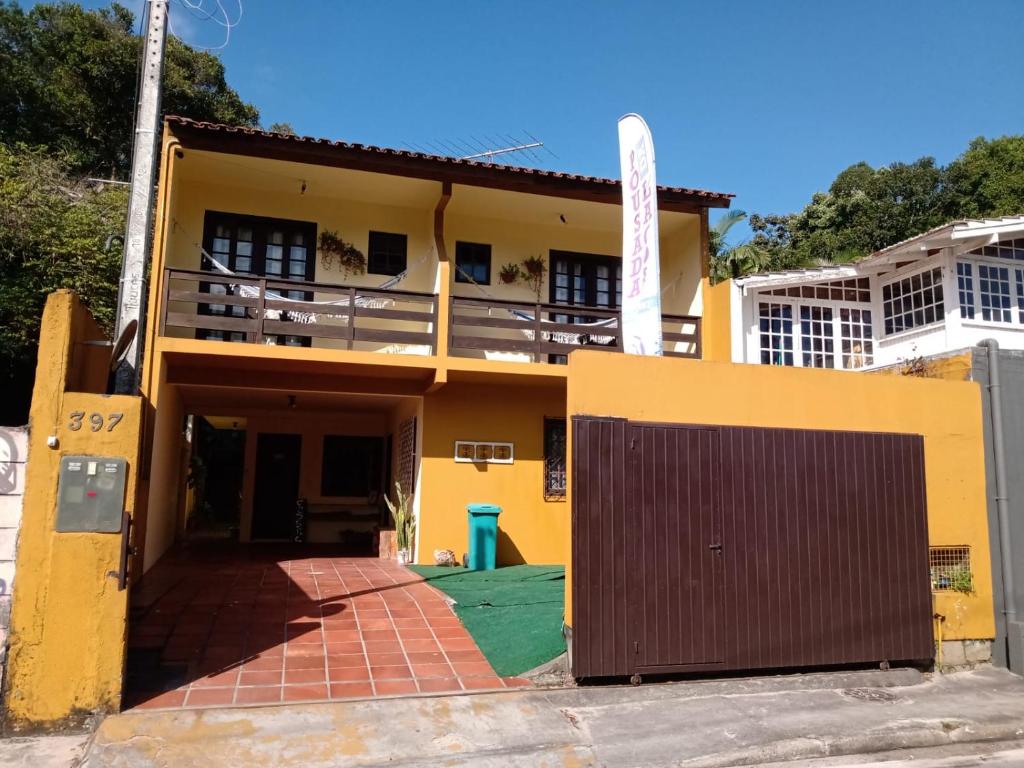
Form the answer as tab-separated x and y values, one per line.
257	626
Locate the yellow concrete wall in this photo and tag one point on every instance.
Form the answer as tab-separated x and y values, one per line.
160	522
535	530
952	367
946	413
68	618
717	321
512	241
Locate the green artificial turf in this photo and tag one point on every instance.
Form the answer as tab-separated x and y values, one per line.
514	613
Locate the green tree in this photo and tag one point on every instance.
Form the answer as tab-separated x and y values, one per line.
285	128
55	232
987	180
68	79
866	209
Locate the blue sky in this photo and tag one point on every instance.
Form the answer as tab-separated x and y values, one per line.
768	100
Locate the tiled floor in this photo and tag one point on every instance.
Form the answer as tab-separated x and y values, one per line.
248	626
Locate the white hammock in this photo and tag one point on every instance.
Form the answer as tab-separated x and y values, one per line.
564	337
298	316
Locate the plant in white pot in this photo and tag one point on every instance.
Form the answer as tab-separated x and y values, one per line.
405	525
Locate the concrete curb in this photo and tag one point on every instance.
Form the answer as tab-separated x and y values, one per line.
907	735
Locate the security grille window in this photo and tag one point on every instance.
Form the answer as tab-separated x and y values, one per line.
913	301
554	459
950	569
387	253
855	336
261	247
776	327
994	292
473	263
816	341
965	289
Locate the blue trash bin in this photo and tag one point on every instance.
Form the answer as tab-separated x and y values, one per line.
483	536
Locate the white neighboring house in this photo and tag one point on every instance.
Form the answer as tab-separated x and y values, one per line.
941	291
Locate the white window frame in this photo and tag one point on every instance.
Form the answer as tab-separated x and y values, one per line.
910	272
1013	266
837	332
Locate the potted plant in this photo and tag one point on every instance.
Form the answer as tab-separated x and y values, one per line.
351	260
509	274
405	525
534	268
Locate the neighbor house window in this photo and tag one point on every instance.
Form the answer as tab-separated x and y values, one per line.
472	263
776	327
994	292
858	345
855	289
965	289
1007	249
554	458
913	301
387	253
1019	276
816	341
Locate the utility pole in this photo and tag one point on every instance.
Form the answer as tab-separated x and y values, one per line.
132	288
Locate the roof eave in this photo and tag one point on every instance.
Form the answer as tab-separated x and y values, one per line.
251	143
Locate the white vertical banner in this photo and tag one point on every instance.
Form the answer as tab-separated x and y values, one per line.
641	273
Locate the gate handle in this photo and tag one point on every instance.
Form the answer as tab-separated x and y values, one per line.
716	547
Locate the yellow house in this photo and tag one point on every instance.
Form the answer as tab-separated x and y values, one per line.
327	319
368	315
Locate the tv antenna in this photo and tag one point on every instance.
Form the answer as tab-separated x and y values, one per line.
509	148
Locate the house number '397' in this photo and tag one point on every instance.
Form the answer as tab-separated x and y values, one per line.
96	421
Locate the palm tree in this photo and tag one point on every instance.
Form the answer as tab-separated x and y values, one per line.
732	262
717	233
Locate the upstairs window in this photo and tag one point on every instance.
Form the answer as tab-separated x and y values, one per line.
387	253
472	263
913	301
260	247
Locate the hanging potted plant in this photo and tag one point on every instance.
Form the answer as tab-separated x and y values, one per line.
534	269
332	247
405	525
509	274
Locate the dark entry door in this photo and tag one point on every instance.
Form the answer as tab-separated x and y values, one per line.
277	485
676	535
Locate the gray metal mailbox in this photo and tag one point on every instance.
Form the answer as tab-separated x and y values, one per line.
90	496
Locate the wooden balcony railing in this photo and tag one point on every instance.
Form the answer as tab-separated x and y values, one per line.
547	332
262	310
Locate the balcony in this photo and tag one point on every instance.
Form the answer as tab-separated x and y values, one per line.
525	332
262	310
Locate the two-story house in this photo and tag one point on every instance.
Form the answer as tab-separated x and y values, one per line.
360	316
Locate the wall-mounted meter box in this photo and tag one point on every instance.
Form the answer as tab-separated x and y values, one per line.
90	497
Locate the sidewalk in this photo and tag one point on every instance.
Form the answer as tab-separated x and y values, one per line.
706	724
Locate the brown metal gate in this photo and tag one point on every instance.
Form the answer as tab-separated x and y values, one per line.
704	548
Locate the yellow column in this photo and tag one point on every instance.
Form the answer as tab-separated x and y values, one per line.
68	619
